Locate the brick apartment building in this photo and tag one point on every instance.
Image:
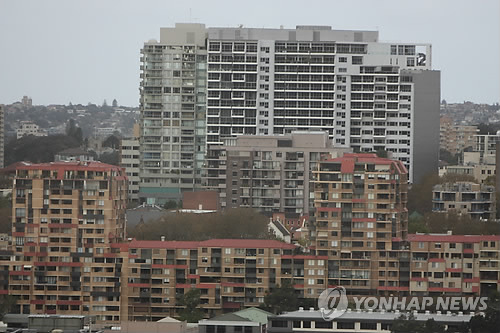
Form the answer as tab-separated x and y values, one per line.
68	254
65	217
361	222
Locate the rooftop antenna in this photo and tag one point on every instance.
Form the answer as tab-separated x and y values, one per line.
191	18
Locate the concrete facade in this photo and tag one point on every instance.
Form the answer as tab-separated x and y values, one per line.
202	85
270	173
129	160
475	200
361	222
172	118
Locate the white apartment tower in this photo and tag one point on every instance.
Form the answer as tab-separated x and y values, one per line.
368	95
172	121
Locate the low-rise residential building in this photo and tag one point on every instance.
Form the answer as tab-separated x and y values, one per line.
455	138
312	320
481	172
486	144
454	264
475	200
278	230
144	280
74	154
29	128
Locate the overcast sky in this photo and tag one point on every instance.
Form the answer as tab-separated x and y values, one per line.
57	51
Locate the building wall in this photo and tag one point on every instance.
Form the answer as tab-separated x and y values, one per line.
455	138
475	200
425	123
2	134
275	81
467	265
129	160
270	173
204	200
172	121
360	220
65	217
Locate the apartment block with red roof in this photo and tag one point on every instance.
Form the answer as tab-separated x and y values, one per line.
69	255
230	273
361	222
454	264
65	217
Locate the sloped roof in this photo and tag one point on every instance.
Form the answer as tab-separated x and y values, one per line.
168	320
281	227
229	317
232	243
255	315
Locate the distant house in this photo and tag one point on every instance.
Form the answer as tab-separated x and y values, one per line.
29	128
74	154
277	229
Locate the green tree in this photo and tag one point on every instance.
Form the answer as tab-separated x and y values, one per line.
407	324
171	204
281	299
7	303
491	320
37	149
74	131
448	157
190	301
381	153
112	141
231	223
110	158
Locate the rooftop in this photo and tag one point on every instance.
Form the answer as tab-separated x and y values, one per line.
231	243
445	238
375	316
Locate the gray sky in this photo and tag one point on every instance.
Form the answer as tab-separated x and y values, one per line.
57	51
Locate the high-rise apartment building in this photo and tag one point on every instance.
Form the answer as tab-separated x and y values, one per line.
366	94
271	173
66	215
172	120
201	85
361	222
68	254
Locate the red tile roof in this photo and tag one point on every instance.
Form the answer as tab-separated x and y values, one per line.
230	243
347	166
452	238
246	243
148	244
349	160
63	166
